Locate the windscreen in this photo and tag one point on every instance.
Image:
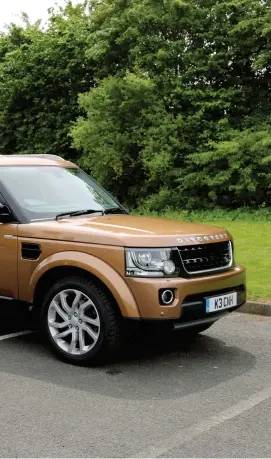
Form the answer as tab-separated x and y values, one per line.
43	192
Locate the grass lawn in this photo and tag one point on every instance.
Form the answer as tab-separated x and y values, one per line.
252	245
253	250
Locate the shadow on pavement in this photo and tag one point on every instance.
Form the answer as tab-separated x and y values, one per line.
155	367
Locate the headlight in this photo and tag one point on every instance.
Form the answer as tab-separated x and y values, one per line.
151	263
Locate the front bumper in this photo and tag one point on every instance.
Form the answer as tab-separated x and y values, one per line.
189	303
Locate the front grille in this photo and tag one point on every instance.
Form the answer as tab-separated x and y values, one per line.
198	259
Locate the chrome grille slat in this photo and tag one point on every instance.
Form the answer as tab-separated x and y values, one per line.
206	258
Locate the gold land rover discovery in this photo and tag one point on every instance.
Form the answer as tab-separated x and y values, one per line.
71	250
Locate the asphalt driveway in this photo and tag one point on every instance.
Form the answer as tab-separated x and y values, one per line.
168	398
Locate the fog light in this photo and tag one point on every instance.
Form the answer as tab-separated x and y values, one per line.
167	297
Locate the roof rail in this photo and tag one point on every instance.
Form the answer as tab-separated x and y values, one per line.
45	156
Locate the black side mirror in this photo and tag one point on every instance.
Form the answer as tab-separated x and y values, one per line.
5	214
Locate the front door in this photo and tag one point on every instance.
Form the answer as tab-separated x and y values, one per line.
8	260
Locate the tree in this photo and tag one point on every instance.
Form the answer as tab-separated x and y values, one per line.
235	171
175	94
129	140
41	74
205	62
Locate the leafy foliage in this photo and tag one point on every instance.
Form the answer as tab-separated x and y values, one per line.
235	171
174	104
41	74
196	131
132	134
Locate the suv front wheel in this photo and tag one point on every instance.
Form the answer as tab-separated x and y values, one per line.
80	321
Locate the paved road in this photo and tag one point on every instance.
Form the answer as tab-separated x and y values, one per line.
209	398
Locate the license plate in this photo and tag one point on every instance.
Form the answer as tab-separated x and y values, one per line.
219	303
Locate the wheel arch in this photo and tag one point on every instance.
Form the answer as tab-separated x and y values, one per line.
69	264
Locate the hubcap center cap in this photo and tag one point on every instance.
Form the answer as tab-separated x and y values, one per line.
74	321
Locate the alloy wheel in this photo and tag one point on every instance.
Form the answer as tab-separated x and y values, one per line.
74	322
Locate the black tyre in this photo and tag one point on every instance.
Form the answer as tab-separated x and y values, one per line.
80	321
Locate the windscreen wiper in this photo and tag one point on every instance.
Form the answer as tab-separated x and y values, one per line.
114	210
80	212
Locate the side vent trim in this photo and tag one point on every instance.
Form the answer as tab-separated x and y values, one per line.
30	251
